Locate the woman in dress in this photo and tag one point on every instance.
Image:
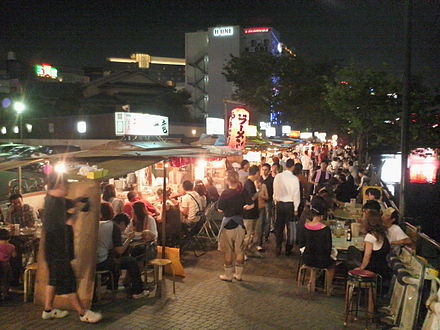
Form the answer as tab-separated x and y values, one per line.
232	202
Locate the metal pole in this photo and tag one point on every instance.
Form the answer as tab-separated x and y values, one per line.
164	207
20	179
405	110
21	128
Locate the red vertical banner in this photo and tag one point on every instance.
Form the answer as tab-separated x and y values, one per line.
238	123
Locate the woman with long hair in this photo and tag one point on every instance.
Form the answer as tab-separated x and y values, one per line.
233	201
109	195
376	245
143	223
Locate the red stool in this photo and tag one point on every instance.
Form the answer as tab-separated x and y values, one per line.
357	281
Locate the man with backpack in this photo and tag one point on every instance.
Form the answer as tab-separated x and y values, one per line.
192	204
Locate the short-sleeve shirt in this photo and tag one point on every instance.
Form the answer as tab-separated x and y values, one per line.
109	237
194	202
249	186
231	202
395	233
377	244
6	251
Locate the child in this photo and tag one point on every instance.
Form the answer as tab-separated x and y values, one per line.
6	252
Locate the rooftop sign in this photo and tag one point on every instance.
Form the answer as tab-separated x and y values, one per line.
140	124
46	71
257	30
223	31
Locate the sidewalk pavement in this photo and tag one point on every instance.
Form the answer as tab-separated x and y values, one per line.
267	298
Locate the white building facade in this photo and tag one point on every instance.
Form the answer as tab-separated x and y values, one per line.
207	52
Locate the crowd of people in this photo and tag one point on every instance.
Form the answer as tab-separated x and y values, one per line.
292	197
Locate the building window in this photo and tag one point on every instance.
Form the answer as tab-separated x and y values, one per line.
51	128
15	130
4	130
29	128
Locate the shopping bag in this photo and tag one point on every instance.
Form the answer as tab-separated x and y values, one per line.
174	255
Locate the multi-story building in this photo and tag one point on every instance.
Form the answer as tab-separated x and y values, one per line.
206	53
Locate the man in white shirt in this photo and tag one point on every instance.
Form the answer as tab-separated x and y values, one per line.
395	234
307	163
192	203
287	196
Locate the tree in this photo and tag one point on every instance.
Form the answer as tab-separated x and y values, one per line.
369	103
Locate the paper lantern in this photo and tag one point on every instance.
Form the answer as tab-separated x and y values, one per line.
238	125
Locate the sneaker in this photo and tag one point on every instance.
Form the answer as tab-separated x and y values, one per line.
260	248
55	313
143	294
91	317
246	257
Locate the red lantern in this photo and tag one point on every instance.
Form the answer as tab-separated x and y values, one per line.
238	123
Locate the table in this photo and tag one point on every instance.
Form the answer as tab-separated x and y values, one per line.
347	213
341	243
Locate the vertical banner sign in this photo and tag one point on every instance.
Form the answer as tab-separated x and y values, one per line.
238	125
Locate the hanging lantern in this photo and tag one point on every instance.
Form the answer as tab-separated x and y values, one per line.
238	125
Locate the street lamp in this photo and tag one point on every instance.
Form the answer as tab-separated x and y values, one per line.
19	107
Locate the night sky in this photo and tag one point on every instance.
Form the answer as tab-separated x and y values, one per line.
83	33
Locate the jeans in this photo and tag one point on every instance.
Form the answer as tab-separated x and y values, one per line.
250	237
263	231
285	219
128	263
270	219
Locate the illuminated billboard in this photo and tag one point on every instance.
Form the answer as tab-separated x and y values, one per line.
140	124
257	30
215	126
223	31
238	125
46	71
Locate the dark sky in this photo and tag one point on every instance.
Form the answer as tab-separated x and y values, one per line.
83	33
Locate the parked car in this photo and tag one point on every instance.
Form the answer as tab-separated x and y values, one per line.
59	149
15	151
30	152
6	147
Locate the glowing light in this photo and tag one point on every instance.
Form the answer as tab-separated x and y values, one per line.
60	168
81	127
251	130
16	130
294	134
29	128
19	107
306	135
391	170
199	170
238	123
3	130
252	156
285	129
193	132
271	131
224	31
257	30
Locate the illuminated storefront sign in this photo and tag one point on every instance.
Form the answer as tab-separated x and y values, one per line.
223	31
140	124
215	126
294	134
46	71
257	30
264	125
285	129
238	125
271	131
251	130
306	135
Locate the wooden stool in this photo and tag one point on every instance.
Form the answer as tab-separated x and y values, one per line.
29	277
98	282
159	265
302	272
359	280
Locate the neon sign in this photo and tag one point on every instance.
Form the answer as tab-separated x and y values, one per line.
46	71
238	125
256	30
223	31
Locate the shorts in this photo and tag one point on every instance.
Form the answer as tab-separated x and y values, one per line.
61	276
232	240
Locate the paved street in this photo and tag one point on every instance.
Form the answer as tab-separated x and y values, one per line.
268	298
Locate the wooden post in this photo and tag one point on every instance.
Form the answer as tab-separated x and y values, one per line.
20	180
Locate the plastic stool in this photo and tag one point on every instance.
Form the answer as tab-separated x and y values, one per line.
159	265
359	280
98	282
313	270
29	275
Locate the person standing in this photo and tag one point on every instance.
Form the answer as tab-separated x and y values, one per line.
321	177
7	251
59	252
307	164
232	203
287	197
243	172
262	222
251	216
267	177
